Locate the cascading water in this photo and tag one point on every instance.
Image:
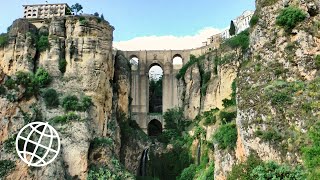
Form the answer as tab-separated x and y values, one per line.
199	153
143	163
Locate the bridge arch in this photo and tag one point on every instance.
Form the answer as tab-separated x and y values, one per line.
154	128
171	90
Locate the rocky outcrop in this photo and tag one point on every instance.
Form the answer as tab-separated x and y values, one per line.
288	57
192	92
87	49
219	87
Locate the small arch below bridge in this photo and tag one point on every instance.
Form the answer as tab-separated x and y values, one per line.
154	128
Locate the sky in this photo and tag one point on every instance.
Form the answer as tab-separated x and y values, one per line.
147	24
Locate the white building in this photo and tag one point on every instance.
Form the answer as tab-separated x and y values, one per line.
45	10
242	22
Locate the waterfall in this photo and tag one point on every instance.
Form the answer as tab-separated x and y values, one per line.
199	153
143	163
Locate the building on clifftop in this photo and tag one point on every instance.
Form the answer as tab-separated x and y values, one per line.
46	10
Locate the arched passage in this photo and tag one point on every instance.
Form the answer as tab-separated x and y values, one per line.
154	128
155	88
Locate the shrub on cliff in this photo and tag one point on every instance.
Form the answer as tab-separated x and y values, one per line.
42	77
51	98
289	17
71	103
42	43
62	65
226	136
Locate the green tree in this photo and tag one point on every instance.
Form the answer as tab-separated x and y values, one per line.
102	17
96	14
232	30
76	8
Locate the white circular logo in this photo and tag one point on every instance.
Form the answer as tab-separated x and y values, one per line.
38	144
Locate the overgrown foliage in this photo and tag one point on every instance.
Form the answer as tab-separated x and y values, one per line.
114	171
239	41
311	153
9	144
6	166
175	124
42	43
289	17
42	77
71	103
30	82
254	20
101	141
242	170
226	136
62	65
271	135
317	62
272	170
71	116
227	117
193	60
209	117
254	168
51	98
232	101
4	39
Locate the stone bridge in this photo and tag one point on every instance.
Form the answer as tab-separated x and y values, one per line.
140	82
170	86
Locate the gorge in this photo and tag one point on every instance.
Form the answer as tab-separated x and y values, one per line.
246	107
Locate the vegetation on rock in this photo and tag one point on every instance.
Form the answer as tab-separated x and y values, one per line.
71	103
3	39
62	65
71	116
241	40
289	17
6	166
51	98
226	136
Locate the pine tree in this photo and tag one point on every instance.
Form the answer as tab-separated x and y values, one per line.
102	17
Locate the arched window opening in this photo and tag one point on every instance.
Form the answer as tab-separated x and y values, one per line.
177	61
155	89
134	61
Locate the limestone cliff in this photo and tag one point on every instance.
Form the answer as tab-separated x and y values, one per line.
81	63
283	63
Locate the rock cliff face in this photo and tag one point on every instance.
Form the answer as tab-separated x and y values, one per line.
85	46
286	59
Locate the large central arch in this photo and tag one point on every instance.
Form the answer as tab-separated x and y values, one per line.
140	81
